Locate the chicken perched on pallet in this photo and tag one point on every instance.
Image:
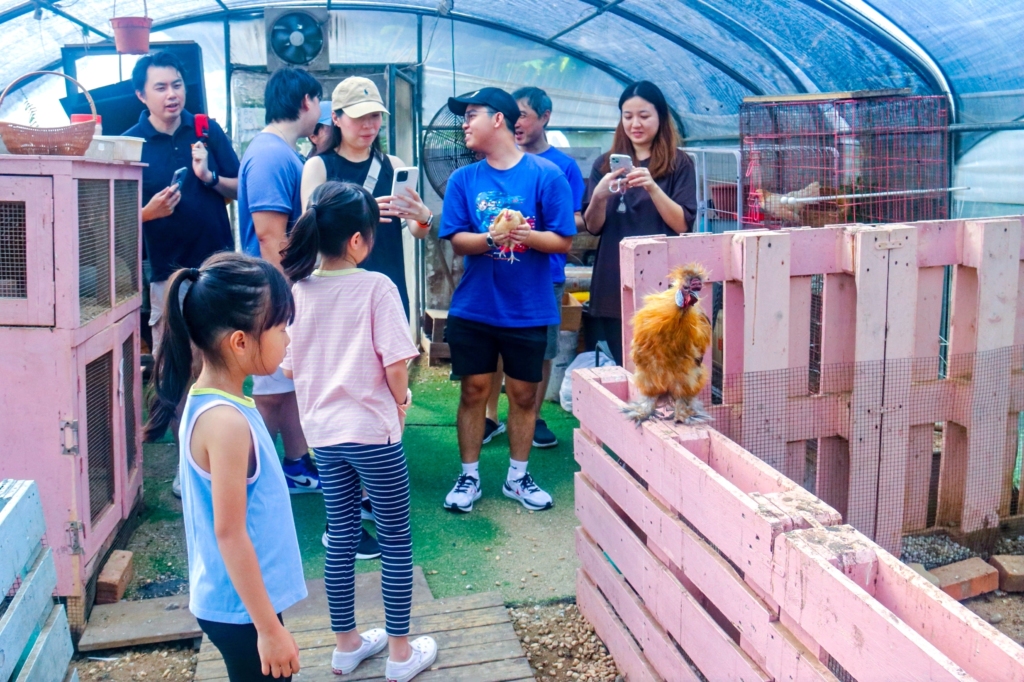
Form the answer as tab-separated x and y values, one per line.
670	335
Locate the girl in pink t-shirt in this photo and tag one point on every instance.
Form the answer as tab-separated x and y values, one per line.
349	349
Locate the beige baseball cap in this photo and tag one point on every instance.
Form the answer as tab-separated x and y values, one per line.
357	97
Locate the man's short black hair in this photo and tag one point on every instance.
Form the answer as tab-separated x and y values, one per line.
158	59
536	98
285	91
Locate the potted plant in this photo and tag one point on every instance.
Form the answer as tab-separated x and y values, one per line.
131	34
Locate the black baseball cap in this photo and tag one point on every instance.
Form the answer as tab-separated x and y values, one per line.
495	98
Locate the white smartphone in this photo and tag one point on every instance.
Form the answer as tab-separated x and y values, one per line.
617	161
404	178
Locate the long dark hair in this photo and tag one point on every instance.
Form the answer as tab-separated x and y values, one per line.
229	292
337	210
663	146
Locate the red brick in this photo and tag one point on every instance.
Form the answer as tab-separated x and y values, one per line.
114	578
966	579
1011	572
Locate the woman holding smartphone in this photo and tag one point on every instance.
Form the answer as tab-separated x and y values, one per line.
355	156
651	190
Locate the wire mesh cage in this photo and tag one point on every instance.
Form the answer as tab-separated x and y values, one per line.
126	239
719	188
882	159
99	430
13	271
93	248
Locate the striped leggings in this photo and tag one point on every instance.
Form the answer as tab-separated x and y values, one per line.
382	470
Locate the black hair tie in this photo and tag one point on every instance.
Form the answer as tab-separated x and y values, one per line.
193	274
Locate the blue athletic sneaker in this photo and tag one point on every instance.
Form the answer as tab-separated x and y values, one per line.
302	476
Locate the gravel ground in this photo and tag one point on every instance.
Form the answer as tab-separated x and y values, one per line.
561	644
161	662
1005	611
933	551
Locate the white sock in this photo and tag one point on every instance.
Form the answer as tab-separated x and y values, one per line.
471	470
516	470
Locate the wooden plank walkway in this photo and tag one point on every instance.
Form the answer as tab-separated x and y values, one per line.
475	638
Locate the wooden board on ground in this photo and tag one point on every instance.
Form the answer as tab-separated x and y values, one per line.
475	637
148	621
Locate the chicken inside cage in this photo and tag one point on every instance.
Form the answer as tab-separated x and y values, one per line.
840	161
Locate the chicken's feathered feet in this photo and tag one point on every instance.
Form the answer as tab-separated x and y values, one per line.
641	410
691	412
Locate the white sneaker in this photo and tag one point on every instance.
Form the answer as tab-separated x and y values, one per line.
374	641
424	653
463	495
176	486
528	493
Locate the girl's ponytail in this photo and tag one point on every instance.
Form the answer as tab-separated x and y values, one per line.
337	210
173	365
229	292
299	256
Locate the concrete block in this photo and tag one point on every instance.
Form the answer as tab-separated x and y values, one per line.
925	573
1011	572
966	579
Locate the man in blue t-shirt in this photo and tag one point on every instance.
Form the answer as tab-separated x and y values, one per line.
534	115
268	206
503	304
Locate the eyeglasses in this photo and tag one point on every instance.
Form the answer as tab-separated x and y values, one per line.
471	115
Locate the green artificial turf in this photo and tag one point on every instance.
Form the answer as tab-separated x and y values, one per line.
499	546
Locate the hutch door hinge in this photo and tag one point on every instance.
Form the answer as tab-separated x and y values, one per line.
74	530
69	437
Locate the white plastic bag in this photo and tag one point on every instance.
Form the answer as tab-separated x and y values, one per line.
599	358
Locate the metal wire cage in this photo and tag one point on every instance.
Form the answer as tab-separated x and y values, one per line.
840	160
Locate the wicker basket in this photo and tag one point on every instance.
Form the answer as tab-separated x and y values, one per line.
70	140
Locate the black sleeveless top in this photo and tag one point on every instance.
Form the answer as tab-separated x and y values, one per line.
387	256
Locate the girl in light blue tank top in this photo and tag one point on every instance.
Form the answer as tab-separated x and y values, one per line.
243	554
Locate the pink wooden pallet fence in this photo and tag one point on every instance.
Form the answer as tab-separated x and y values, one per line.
880	398
698	556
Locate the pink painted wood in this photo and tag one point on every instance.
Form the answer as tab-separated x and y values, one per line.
44	357
35	308
628	656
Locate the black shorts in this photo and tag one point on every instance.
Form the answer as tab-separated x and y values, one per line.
237	646
475	348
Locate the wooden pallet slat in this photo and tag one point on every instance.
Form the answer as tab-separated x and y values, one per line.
50	655
27	612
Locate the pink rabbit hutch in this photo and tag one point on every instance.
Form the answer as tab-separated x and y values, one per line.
70	392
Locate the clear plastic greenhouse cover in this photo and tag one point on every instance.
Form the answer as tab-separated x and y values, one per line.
706	54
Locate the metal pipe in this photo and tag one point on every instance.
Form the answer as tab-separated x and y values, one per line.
986	127
784	200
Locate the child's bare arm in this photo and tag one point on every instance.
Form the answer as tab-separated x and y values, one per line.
223	434
397	375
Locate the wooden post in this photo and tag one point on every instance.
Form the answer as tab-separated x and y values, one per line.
646	262
766	267
870	269
992	247
899	353
799	362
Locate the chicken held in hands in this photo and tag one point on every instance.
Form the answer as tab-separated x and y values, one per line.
670	336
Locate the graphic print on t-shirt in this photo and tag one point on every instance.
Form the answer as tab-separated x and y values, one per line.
491	203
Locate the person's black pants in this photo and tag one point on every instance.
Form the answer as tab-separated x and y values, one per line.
237	645
608	329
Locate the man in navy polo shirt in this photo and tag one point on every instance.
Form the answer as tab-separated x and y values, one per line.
503	304
181	228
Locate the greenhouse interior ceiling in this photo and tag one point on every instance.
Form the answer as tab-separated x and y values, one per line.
707	55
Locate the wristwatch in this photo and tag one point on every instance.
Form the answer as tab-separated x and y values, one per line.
490	241
429	222
214	181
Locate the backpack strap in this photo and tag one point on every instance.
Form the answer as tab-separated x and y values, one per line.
370	183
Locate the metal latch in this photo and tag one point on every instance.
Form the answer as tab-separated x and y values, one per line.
69	437
882	246
74	530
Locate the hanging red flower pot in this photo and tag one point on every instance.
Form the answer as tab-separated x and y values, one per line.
131	34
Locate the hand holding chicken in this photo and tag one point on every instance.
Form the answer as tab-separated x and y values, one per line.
510	230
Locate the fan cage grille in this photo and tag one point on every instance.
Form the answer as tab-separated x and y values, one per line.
99	420
13	250
93	248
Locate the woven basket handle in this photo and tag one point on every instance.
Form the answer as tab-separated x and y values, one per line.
92	105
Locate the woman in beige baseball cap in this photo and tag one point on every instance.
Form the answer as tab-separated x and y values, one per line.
355	156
